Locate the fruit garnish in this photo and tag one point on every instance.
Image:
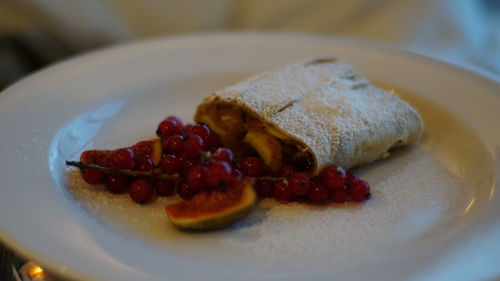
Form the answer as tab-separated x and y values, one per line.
130	173
299	183
219	188
149	149
141	191
333	177
213	210
251	166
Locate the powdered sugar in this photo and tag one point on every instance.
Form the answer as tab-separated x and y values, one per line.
407	203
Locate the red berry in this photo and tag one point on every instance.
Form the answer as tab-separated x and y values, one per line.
218	175
186	163
236	173
212	142
189	164
116	183
196	178
92	176
88	157
339	195
169	127
175	119
141	191
264	188
103	158
185	191
287	170
359	191
173	144
251	166
333	177
200	130
223	154
143	150
122	159
164	187
145	165
299	183
193	145
317	193
350	178
186	129
282	192
171	164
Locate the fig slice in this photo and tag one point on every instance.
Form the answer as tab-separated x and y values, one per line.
213	210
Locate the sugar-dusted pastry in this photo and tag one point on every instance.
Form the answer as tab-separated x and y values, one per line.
312	114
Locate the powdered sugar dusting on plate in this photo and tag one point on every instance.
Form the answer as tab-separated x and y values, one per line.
406	204
118	210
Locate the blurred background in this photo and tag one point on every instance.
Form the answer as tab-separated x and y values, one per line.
35	33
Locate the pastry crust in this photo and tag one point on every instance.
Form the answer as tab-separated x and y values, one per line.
323	108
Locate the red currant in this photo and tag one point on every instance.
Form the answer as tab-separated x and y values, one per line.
333	177
171	164
339	195
164	187
350	178
186	129
169	127
193	145
196	178
116	183
282	192
92	176
317	193
103	158
359	191
251	166
223	154
287	170
175	119
173	144
143	149
88	157
299	183
185	191
145	165
218	175
200	130
212	142
236	174
141	191
122	159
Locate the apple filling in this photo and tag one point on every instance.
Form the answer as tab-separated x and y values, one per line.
246	136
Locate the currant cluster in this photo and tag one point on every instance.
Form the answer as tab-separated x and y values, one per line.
333	184
191	159
192	154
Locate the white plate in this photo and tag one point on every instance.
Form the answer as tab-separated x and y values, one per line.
447	229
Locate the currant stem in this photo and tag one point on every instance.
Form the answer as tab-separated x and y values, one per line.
132	173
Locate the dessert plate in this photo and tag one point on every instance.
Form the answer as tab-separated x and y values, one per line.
435	213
